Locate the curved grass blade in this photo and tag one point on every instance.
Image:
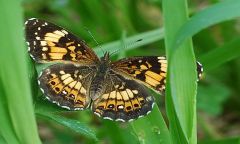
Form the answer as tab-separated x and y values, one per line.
134	41
218	56
220	12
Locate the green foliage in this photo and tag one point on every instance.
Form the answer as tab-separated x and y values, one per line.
17	122
129	28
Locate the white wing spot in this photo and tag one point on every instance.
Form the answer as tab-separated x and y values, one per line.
121	120
108	118
38	82
97	114
42	90
130	120
78	108
31	19
66	107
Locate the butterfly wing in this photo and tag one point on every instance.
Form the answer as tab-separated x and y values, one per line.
48	42
149	70
67	85
123	100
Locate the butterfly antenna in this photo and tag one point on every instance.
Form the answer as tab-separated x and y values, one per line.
114	52
90	33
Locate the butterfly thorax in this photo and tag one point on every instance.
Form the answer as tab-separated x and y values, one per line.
98	85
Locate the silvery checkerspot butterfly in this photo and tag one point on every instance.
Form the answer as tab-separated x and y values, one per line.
113	90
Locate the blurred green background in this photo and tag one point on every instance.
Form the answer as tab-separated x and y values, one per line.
132	28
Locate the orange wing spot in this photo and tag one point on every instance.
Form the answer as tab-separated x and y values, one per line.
124	95
49	43
111	104
68	44
52	39
133	67
135	103
80	100
137	72
52	35
72	84
54	82
60	33
72	48
149	65
143	67
67	89
120	104
102	104
58	88
128	106
112	95
56	55
141	100
58	50
151	81
53	76
154	75
73	93
118	95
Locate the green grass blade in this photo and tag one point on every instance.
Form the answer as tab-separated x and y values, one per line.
7	131
152	129
74	125
134	41
222	11
218	56
181	80
14	77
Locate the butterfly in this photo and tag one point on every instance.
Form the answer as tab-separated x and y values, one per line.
79	79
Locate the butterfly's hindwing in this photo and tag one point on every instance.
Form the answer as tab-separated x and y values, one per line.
67	85
48	42
123	100
150	70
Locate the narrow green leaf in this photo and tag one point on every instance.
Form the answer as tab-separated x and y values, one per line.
218	56
71	124
17	106
220	12
134	41
181	79
152	128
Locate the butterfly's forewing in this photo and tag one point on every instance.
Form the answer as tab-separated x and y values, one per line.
48	42
123	100
67	85
149	70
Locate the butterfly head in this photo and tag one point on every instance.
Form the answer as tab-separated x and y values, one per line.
106	57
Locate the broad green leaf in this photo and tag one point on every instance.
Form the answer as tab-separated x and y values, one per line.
181	79
18	119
